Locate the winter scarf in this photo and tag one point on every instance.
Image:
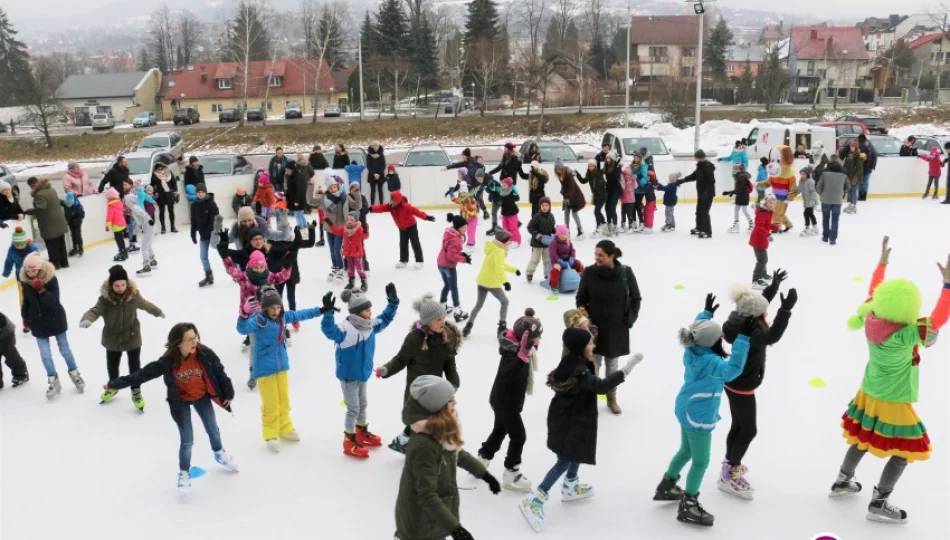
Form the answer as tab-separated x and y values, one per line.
529	355
349	229
259	279
504	192
361	324
164	178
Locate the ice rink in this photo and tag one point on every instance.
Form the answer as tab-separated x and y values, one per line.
75	469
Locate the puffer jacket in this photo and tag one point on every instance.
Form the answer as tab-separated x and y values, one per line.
451	253
705	178
15	258
403	213
741	188
492	274
41	307
759	338
426	353
597	182
270	350
353	242
203	212
809	194
468	205
571	192
697	403
355	348
537	179
115	216
75	213
934	162
121	330
762	228
376	161
511	381
509	201
248	289
427	506
561	250
542	224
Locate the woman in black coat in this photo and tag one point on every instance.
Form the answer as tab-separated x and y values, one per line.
275	258
340	158
165	186
376	170
611	296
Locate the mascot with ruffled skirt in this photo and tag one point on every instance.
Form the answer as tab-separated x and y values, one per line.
783	182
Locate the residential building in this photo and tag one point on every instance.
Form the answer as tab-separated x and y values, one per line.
881	34
772	35
742	54
665	46
932	56
832	60
122	95
215	86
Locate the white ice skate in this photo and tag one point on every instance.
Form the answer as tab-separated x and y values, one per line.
513	480
735	228
646	230
417	266
532	508
400	264
54	387
469	481
732	481
751	225
273	445
881	510
806	232
184	485
225	460
77	380
572	490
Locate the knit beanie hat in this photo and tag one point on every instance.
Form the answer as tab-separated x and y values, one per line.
201	187
457	221
463	171
480	172
806	170
429	309
467	152
558	163
117	273
390	168
255	259
254	233
270	297
355	214
545	200
19	237
245	213
749	303
503	236
591	162
70	198
4	186
528	323
356	302
699	154
33	261
575	340
561	229
507	182
431	392
112	194
354	185
329	178
262	181
509	146
702	333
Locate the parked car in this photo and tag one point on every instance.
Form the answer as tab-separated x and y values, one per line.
551	150
503	101
142	163
169	141
225	165
845	129
708	102
626	141
102	121
875	124
426	156
144	119
6	175
767	135
925	142
292	110
884	145
3	127
187	115
255	114
331	109
229	115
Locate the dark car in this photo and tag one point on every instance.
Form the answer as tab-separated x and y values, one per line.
186	116
551	150
884	145
255	114
875	124
229	115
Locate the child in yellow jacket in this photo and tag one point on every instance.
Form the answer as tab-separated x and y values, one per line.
492	279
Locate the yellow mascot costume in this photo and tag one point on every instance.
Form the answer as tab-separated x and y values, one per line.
783	182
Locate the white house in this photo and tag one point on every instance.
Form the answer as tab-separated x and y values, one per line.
123	95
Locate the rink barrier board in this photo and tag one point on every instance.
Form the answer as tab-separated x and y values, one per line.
895	177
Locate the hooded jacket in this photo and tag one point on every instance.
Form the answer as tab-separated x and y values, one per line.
74	213
393	183
340	161
403	213
265	195
737	157
833	184
602	293
493	273
427	506
561	250
934	161
115	216
352	242
468	205
121	330
759	338
537	179
543	224
597	182
809	193
270	349
741	188
246	287
762	229
50	218
705	178
203	212
16	256
355	348
571	192
511	380
9	208
376	161
425	353
697	403
41	307
337	205
451	253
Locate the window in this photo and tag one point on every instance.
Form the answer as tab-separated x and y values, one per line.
730	67
224	84
267	105
274	81
811	69
240	163
658	52
217	107
689	52
687	71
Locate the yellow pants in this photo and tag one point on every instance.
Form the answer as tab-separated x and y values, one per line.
778	214
19	290
275	405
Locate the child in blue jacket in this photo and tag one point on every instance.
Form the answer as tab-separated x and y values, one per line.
738	157
354	172
761	175
670	198
20	247
266	319
697	408
355	339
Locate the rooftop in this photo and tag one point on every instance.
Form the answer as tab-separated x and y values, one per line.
101	85
666	30
200	81
822	42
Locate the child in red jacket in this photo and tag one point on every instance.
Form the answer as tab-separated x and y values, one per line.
404	215
353	250
933	171
760	239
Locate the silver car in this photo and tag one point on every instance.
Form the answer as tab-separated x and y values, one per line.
169	141
102	121
144	119
142	162
426	156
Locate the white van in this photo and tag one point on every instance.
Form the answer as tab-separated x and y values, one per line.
767	135
626	141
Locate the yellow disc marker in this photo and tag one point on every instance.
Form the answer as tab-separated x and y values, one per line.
679	287
817	382
857	279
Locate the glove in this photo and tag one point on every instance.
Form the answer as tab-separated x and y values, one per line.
467	257
492	483
778	276
328	222
563	263
85	323
518	273
252	305
162	316
771	238
507	286
460	533
391	295
151	222
447	193
313	225
570	262
631	363
37	284
380	372
788	302
194	240
430	218
711	305
726	193
288	260
3	225
329	303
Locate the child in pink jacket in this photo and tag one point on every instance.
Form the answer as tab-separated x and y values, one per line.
562	255
628	200
933	171
115	222
450	256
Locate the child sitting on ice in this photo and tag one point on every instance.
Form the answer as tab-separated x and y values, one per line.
561	252
240	199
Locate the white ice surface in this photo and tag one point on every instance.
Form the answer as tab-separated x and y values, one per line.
72	468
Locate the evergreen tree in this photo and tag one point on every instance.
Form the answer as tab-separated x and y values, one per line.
330	31
368	41
720	40
746	83
14	63
247	34
142	64
424	61
482	22
553	47
600	57
392	29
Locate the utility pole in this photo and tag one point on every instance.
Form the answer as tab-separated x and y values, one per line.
626	101
700	11
943	37
359	55
652	40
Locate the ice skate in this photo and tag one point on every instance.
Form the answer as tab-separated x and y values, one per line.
806	232
133	248
732	481
751	226
366	437
54	387
208	280
883	511
690	511
418	266
399	443
17	381
273	445
107	396
120	256
153	262
75	251
74	375
137	400
598	231
694	231
364	285
251	383
146	271
667	490
529	277
639	228
532	508
184	484
491	231
468	329
702	234
400	264
225	460
469	481
646	230
350	284
459	314
513	480
572	490
352	447
844	486
580	235
734	229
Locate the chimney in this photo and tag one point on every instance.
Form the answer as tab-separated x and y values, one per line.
831	43
813	34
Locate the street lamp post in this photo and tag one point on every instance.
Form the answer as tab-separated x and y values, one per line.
626	101
700	10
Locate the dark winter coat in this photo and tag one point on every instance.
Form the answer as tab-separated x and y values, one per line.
194	175
537	178
376	162
159	190
340	161
597	182
275	257
541	224
571	193
424	353
9	209
511	380
75	213
7	328
572	415
427	506
240	201
318	161
741	189
614	181
297	189
908	149
217	382
203	212
509	202
121	330
705	178
275	168
870	163
114	178
50	218
601	292
510	167
41	307
393	183
759	339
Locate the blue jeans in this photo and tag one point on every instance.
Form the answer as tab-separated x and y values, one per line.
130	226
203	253
558	470
46	354
450	283
205	410
301	219
853	194
866	183
612	207
335	244
829	221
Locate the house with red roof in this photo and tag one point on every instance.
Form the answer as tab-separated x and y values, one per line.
664	47
831	60
272	85
932	55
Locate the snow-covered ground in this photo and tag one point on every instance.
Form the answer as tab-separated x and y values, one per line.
75	469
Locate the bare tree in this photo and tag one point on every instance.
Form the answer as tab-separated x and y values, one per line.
532	17
189	32
38	89
594	11
246	35
564	13
486	65
323	29
161	39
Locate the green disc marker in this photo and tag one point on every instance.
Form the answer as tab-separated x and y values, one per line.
857	279
602	397
342	404
679	287
817	382
553	297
